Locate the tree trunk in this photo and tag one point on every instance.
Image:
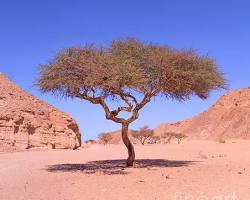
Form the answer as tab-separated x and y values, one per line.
129	145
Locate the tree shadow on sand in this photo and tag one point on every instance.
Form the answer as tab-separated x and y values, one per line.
112	167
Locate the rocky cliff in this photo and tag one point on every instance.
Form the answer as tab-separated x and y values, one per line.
26	121
229	117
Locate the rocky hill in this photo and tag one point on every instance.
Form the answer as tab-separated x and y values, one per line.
229	117
26	121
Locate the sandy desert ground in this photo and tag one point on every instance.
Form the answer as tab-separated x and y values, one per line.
193	170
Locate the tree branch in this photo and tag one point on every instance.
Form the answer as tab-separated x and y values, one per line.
119	109
126	100
145	100
112	115
100	100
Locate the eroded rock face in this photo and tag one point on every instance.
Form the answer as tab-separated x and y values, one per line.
26	121
229	117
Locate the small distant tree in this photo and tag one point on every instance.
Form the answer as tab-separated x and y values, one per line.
105	138
179	137
168	136
155	139
143	134
131	72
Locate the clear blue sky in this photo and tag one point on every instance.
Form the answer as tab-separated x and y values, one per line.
32	31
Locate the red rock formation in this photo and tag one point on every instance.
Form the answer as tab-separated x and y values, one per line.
26	121
229	117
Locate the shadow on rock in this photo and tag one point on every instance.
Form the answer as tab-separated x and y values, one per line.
112	167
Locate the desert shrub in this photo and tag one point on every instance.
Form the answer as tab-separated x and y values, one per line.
90	141
221	140
105	138
143	134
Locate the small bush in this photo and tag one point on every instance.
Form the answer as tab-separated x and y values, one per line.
221	140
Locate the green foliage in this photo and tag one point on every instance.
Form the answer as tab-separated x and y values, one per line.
128	66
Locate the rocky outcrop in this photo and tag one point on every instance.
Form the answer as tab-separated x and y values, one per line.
26	121
229	117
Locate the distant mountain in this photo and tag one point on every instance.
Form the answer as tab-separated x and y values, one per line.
26	121
229	117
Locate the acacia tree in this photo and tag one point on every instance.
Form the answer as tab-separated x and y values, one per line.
105	138
142	134
179	137
168	136
155	139
131	72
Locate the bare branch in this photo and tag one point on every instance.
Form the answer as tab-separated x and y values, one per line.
133	98
100	100
124	97
119	109
145	100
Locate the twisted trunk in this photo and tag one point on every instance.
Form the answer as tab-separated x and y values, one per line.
129	145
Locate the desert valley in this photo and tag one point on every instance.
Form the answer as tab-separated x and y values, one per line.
124	100
200	167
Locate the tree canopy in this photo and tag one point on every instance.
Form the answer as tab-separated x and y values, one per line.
127	67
